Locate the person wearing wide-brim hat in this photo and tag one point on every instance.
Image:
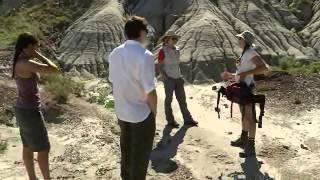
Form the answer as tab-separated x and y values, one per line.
249	64
169	68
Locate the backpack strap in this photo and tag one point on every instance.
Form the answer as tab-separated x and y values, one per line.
217	109
254	113
261	100
231	109
262	105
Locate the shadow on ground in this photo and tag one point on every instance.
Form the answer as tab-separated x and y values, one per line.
251	171
162	156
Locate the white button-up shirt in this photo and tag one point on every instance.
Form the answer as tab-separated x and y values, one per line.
132	74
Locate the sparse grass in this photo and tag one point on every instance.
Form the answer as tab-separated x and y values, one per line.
61	87
40	19
102	98
293	66
297	4
3	146
7	101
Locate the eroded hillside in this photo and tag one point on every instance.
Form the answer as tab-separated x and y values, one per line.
207	28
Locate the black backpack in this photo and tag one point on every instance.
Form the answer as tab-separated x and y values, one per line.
241	94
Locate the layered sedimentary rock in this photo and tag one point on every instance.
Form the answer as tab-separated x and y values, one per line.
92	37
207	27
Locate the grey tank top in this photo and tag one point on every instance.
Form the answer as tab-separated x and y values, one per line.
28	92
172	62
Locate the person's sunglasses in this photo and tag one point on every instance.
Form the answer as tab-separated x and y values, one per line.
146	30
174	39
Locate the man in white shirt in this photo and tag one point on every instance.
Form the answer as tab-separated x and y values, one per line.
132	74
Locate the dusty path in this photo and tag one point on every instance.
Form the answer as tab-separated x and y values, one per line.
87	147
290	151
205	150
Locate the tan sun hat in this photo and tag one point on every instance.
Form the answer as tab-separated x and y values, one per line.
247	36
169	34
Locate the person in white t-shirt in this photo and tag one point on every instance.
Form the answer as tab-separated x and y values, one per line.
132	74
249	64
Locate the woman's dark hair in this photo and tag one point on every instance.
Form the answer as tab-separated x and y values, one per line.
134	26
23	41
246	47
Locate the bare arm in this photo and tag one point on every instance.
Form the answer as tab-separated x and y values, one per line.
35	67
227	76
51	67
260	65
160	65
160	69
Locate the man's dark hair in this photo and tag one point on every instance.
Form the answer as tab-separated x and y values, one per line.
134	26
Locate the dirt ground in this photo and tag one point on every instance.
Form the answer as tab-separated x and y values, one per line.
85	139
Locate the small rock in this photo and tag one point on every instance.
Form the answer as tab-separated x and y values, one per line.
304	147
286	147
310	122
226	105
191	98
214	88
84	135
197	151
229	133
208	177
298	124
157	133
297	101
14	146
197	140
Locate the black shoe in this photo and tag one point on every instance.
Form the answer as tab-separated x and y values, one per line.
173	124
191	123
240	142
249	151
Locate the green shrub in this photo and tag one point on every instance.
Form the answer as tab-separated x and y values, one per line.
61	87
315	67
102	98
291	65
296	5
41	19
287	63
3	146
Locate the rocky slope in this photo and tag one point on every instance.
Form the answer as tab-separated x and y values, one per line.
92	37
207	27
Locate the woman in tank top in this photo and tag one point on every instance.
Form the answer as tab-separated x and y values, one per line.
249	64
26	72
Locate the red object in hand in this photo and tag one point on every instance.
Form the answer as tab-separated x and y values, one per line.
161	56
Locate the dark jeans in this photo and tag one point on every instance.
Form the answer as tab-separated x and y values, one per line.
136	141
176	85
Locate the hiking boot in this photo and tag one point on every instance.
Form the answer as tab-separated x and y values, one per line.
240	142
249	150
191	123
173	124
